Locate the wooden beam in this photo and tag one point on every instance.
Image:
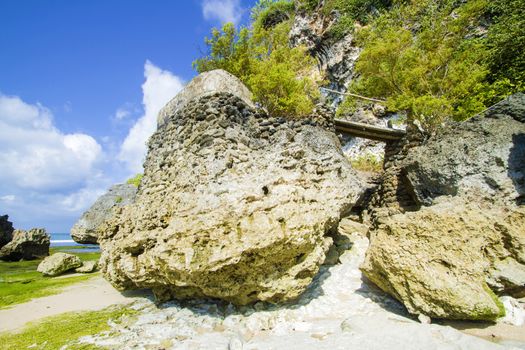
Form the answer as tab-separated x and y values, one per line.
370	132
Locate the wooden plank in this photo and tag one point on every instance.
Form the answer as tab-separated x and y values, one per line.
371	132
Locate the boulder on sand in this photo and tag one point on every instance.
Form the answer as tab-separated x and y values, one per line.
233	204
463	236
58	263
26	245
6	230
86	229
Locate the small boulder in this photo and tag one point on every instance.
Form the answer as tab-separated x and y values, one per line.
87	267
26	245
6	230
58	263
86	229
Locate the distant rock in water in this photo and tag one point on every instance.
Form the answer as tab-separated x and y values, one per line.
59	263
86	229
26	245
233	204
450	218
6	230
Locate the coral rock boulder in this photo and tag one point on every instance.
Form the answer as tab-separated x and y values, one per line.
463	240
86	229
233	205
26	245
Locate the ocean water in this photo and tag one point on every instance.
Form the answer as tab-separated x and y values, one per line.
65	240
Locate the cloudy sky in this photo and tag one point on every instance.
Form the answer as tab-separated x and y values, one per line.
81	83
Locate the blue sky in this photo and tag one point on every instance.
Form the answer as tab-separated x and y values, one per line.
81	83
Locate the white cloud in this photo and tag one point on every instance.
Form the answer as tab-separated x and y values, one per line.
8	198
121	113
160	87
222	10
36	155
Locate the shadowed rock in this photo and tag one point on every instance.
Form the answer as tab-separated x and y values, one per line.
6	230
26	245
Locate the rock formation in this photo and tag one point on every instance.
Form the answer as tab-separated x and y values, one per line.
6	230
26	245
59	263
87	267
449	227
86	229
233	204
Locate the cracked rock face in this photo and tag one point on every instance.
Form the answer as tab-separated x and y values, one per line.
460	238
233	205
86	229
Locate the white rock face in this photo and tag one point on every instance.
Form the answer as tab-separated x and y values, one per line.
205	84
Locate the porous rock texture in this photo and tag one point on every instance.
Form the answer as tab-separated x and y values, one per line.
59	263
6	230
26	245
204	84
449	222
233	205
86	229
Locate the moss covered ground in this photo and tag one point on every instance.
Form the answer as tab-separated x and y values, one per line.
63	331
20	282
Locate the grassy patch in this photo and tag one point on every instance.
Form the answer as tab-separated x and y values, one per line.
368	162
64	330
20	282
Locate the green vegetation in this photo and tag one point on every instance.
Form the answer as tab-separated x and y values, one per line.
20	282
135	181
432	60
281	78
119	199
368	162
65	330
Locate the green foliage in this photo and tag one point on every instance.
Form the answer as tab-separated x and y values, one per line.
63	331
279	77
419	57
20	282
368	162
268	13
135	181
119	199
506	42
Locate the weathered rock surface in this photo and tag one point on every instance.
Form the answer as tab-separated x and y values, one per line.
87	267
86	229
457	234
233	205
26	245
59	263
204	84
6	230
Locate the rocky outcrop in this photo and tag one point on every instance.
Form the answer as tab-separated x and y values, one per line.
58	263
6	230
233	205
86	229
87	267
26	245
449	227
206	84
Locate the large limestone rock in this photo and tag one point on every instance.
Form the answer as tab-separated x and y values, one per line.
6	230
233	205
462	237
206	84
26	245
86	229
59	263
